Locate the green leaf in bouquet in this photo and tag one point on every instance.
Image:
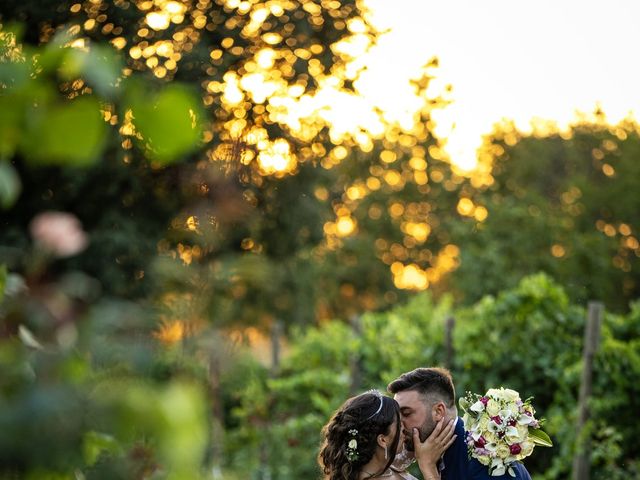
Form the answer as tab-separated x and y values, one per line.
540	438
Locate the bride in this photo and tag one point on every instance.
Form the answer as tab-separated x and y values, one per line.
364	439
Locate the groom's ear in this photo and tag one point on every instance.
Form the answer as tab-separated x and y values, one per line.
439	411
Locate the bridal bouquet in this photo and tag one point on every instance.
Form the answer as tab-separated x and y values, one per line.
501	429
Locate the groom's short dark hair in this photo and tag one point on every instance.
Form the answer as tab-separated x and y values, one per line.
427	381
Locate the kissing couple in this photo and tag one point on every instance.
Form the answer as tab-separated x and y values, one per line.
375	436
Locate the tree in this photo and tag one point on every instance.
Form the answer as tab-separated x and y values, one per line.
268	75
559	203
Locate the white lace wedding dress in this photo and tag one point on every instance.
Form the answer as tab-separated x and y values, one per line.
400	465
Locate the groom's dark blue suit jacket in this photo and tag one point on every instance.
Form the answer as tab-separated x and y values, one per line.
458	466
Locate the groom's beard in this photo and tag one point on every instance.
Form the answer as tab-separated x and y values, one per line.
424	432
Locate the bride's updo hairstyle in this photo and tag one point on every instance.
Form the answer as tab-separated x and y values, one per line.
350	437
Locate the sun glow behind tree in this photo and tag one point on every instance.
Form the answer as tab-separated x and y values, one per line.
291	82
536	63
288	83
255	72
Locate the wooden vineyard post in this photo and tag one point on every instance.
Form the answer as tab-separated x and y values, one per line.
591	338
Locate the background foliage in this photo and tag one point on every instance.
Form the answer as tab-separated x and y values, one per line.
559	203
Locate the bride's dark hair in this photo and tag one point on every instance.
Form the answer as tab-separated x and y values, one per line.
369	415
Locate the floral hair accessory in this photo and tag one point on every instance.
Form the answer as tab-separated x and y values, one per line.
501	429
352	446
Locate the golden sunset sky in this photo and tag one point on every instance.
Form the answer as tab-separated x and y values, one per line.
509	59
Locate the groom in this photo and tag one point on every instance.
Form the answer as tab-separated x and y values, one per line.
426	396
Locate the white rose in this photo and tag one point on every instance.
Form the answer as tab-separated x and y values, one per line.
353	443
527	449
491	439
511	395
523	431
483	423
484	460
493	407
495	393
503	451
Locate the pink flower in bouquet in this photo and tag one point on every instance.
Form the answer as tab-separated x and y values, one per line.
59	233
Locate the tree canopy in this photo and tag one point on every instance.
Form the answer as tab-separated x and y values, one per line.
560	202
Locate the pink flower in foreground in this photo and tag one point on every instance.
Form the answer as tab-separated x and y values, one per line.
515	449
59	233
